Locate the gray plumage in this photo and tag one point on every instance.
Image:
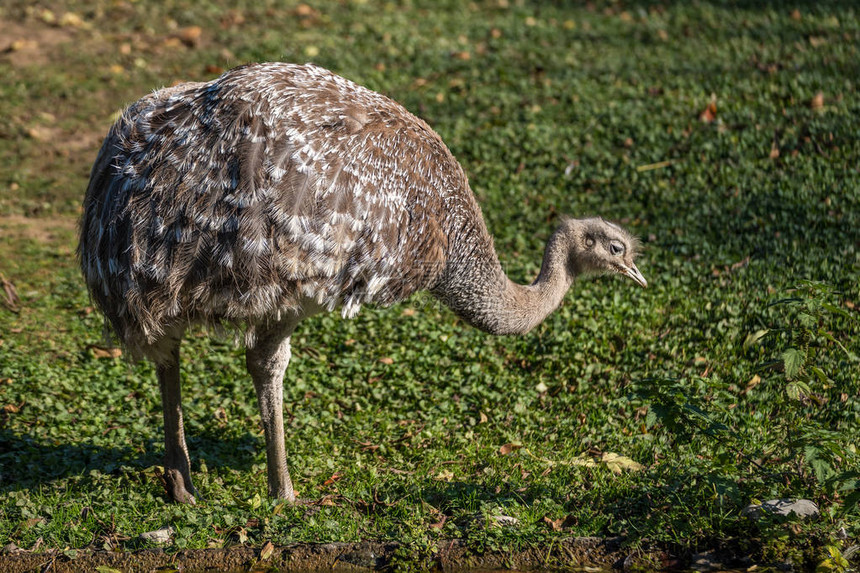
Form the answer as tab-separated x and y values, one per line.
277	191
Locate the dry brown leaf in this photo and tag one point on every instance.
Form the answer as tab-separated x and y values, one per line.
103	352
445	475
774	151
72	20
709	114
817	101
304	10
484	418
555	524
508	448
387	360
12	299
335	476
19	45
440	523
232	18
190	36
267	551
795	14
754	381
11	408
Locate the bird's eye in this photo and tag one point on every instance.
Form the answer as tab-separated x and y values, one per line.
616	249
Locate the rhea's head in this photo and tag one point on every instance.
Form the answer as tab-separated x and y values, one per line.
599	246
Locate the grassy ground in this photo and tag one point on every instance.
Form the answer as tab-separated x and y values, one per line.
724	133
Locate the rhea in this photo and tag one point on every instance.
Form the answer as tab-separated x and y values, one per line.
278	191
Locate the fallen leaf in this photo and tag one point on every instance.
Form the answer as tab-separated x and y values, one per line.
103	352
41	133
484	418
11	293
440	523
795	14
232	18
709	114
220	414
616	463
754	381
304	10
33	522
387	360
336	476
70	19
190	36
445	475
503	521
19	45
267	551
47	16
817	101
555	524
508	448
774	151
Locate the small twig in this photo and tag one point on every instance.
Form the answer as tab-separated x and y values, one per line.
658	165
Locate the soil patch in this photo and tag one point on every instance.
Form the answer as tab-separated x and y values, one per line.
30	43
39	230
450	555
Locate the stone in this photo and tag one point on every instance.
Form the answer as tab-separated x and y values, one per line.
163	535
802	508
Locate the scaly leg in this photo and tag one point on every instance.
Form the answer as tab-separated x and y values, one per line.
267	362
176	459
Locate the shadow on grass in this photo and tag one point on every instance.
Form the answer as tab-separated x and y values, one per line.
26	463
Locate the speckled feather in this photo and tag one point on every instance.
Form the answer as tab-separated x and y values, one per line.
275	184
280	188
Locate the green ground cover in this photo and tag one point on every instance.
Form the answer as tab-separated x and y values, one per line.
724	133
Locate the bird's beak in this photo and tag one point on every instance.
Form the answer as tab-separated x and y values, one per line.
634	274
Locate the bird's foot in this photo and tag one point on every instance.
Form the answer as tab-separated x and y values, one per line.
174	484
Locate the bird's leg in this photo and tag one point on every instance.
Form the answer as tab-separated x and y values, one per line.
177	466
267	362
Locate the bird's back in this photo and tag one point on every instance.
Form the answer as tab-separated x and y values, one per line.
269	186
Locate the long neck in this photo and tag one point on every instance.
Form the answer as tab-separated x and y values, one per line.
476	288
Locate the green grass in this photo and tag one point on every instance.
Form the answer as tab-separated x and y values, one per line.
557	109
